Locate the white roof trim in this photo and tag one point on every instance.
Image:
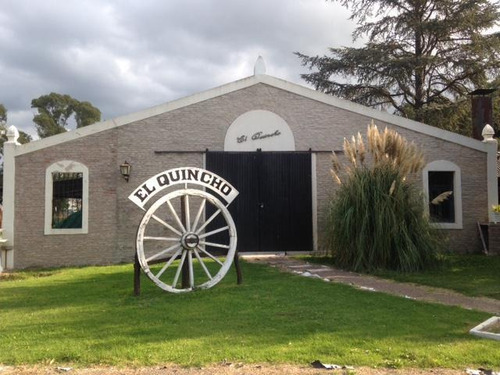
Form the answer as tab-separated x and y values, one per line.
241	84
137	116
375	114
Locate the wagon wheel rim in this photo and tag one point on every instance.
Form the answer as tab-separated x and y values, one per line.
186	242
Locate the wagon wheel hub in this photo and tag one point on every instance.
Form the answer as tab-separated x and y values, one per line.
190	241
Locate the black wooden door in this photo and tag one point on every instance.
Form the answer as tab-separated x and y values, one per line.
274	209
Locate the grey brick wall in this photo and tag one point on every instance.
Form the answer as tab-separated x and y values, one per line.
113	219
32	247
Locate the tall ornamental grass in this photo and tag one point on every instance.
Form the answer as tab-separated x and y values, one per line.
377	218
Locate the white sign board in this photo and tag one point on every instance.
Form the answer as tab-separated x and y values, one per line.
186	175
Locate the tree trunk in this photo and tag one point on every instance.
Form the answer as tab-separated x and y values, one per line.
419	95
419	68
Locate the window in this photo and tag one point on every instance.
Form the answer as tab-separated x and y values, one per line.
442	186
441	199
66	198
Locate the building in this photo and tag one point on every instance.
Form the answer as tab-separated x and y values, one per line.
66	203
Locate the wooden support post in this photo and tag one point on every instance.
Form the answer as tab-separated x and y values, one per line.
239	275
137	277
185	267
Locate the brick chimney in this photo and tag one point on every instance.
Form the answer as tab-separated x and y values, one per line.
482	111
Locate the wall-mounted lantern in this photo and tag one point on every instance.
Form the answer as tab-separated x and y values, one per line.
125	170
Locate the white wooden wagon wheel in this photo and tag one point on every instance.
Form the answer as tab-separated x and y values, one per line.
172	239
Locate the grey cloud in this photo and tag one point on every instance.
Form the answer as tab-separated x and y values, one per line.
124	56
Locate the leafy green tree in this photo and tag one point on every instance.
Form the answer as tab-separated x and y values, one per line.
55	110
3	114
420	58
86	114
23	137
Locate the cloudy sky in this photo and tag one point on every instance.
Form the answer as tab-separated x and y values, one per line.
128	55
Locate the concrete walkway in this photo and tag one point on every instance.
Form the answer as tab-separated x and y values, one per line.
407	290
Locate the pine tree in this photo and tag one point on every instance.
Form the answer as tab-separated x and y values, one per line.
421	56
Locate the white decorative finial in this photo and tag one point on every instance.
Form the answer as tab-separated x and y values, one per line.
488	133
260	66
12	134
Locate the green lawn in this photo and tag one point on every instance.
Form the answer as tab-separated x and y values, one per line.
472	275
85	316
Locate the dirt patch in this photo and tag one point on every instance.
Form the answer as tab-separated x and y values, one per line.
230	369
9	276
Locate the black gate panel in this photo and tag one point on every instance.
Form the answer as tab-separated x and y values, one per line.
299	229
240	169
274	192
286	196
274	209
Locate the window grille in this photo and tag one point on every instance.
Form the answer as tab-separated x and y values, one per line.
67	199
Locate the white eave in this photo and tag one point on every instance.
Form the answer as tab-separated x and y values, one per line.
242	84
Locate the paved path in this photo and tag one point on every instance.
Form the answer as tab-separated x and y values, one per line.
407	290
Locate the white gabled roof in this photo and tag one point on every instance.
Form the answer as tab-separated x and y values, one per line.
241	84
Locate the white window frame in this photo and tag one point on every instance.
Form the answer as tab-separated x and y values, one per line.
66	166
446	166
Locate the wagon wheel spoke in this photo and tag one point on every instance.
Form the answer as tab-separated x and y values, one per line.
209	255
191	271
179	269
162	238
187	213
163	252
209	221
168	226
219	245
170	261
176	217
214	232
207	272
198	215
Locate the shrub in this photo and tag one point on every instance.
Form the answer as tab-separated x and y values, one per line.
377	218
